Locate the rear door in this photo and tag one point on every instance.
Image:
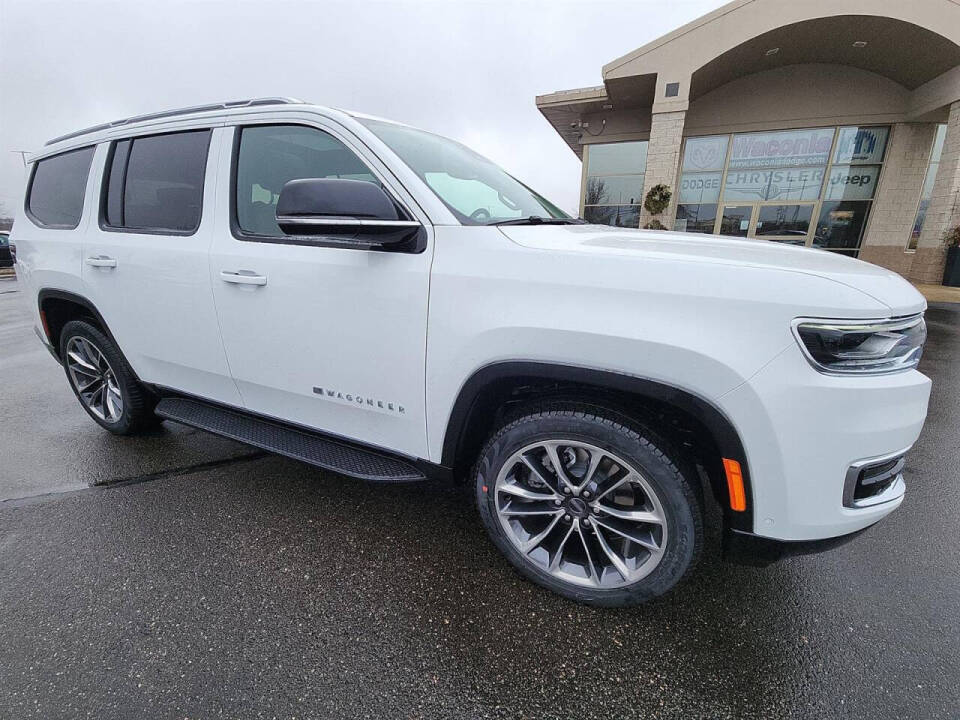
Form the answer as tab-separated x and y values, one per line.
333	338
145	263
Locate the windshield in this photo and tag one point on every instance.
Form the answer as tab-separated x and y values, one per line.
476	191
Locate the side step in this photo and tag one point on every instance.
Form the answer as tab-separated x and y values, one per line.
298	444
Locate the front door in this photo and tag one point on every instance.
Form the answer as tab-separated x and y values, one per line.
145	263
332	338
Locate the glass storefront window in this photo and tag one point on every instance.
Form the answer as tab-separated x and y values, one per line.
626	158
696	188
861	145
700	183
705	153
614	187
784	148
736	220
811	186
852	182
760	185
616	190
840	226
776	184
787	223
616	215
696	218
927	191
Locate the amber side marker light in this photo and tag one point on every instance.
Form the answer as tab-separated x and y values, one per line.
738	496
46	327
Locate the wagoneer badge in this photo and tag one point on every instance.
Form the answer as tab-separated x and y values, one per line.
367	403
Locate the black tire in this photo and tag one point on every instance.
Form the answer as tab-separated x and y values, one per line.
138	403
676	489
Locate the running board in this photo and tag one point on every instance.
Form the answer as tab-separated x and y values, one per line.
291	442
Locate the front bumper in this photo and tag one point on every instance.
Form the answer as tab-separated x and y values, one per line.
807	434
743	548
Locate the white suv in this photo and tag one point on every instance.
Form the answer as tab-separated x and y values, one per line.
384	303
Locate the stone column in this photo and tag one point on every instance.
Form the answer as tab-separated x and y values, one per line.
944	211
663	159
895	205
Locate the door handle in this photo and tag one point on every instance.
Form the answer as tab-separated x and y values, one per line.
101	261
243	277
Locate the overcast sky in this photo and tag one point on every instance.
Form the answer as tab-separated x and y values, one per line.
467	70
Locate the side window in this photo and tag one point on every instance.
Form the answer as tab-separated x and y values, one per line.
56	191
155	183
269	156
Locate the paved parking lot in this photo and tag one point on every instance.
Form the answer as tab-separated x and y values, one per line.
203	579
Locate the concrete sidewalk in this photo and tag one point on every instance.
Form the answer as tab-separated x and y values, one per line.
939	293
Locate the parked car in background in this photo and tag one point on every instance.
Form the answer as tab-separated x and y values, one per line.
385	303
8	251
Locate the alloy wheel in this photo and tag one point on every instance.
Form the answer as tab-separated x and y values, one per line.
94	379
581	513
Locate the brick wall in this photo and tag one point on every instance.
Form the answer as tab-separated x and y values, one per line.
663	158
944	210
895	205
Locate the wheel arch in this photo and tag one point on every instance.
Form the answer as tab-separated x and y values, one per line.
491	391
58	307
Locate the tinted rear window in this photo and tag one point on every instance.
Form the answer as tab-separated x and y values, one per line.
57	189
156	183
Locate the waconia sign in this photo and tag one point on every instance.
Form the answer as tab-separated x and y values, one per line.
785	165
787	148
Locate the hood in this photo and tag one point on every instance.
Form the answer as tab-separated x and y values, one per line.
884	286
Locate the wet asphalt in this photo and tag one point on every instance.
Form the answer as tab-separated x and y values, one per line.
201	579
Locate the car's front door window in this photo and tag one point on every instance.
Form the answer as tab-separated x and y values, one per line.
269	156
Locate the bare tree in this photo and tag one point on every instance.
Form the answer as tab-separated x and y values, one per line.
596	192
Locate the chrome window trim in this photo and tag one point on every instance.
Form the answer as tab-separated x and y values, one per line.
346	222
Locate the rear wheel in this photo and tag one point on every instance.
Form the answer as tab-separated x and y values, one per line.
589	505
103	381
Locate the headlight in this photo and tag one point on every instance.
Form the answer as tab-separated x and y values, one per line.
853	347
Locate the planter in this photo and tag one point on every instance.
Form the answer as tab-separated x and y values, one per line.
951	271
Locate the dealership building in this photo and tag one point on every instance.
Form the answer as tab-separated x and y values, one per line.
828	123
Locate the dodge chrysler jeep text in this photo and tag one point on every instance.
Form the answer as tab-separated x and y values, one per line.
386	304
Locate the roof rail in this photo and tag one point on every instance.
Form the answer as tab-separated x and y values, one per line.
252	102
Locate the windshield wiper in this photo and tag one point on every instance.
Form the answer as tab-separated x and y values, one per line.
537	220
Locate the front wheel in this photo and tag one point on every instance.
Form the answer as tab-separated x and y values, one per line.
103	381
586	503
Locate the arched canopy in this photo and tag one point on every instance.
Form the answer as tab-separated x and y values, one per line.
908	54
913	43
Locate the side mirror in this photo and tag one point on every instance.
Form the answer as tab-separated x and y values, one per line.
355	212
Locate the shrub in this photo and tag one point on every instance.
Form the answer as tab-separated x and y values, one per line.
951	238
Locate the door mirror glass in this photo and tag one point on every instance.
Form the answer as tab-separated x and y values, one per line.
345	208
